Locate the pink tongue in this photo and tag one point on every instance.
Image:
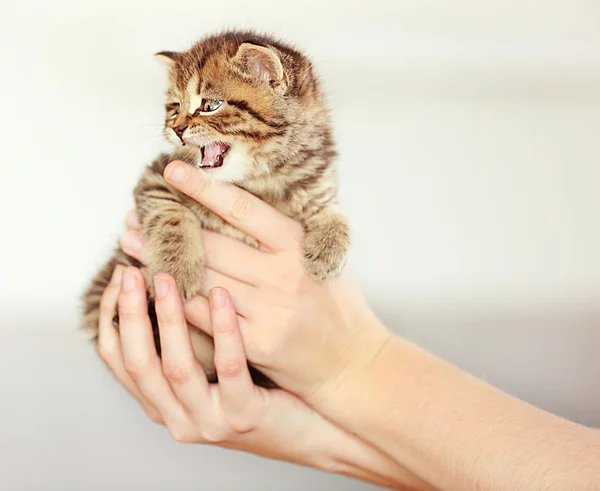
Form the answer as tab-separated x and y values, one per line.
212	152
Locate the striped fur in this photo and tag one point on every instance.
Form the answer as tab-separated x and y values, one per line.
275	120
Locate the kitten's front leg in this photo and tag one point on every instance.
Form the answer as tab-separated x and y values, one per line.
326	243
175	247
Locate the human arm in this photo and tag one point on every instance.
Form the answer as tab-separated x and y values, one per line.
324	344
456	431
233	414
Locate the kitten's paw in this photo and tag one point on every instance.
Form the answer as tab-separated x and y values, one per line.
326	245
189	285
187	276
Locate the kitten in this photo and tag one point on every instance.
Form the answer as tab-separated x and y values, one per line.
246	109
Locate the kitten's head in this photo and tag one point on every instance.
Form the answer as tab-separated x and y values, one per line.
239	104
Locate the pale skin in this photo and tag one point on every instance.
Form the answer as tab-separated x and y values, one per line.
358	400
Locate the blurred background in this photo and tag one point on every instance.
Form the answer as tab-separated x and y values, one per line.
468	135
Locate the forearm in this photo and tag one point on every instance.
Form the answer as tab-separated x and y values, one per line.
342	453
315	442
454	430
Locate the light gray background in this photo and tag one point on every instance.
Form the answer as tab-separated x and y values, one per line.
468	134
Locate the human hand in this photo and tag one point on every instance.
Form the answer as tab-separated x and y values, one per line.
303	334
174	391
234	413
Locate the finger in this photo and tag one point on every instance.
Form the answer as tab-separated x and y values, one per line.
109	346
133	244
132	220
139	353
238	207
235	384
179	363
233	258
243	294
197	313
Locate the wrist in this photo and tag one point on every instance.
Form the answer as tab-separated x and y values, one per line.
359	357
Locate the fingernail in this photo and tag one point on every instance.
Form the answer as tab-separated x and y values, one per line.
161	286
178	172
132	241
132	219
128	280
218	298
117	275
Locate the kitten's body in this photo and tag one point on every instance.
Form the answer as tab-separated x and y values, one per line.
278	147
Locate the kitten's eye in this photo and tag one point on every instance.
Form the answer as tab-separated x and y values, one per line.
210	105
173	108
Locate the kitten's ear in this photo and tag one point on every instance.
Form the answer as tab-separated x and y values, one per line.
168	57
262	63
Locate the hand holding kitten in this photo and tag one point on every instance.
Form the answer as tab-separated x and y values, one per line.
299	331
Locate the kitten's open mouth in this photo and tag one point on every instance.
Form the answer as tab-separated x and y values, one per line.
213	155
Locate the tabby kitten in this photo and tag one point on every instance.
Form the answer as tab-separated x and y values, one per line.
246	109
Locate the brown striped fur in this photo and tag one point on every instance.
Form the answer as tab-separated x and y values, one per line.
282	151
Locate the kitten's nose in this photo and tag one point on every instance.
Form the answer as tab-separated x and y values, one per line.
179	130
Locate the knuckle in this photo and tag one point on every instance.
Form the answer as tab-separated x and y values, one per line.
128	313
213	436
108	301
226	328
154	416
137	369
176	373
181	434
229	367
242	205
137	253
106	353
241	425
